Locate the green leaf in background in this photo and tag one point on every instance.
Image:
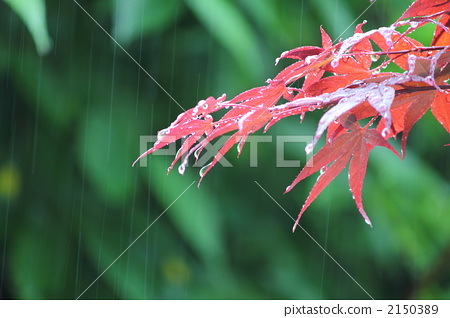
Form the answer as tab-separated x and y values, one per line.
42	258
46	94
337	15
404	187
196	216
32	13
103	148
236	37
153	15
104	245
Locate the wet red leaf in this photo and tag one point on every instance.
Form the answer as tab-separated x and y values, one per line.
340	80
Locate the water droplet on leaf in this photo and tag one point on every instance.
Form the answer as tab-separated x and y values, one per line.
413	24
310	59
197	153
203	170
161	134
182	168
309	148
334	63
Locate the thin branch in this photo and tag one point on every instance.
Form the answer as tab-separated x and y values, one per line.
420	88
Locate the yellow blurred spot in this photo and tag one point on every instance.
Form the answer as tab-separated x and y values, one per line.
9	181
175	270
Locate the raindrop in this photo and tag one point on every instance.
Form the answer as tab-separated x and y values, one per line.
325	98
411	63
387	33
368	222
310	59
161	134
385	132
311	108
182	168
381	107
288	188
334	63
414	24
374	58
197	153
203	170
309	148
243	119
240	145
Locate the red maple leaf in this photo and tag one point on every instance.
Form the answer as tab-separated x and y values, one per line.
426	7
355	90
353	146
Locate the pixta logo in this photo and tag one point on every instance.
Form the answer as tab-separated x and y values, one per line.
252	143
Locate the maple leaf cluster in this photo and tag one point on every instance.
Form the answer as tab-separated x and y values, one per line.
392	102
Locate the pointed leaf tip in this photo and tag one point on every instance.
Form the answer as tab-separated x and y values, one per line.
295	226
288	188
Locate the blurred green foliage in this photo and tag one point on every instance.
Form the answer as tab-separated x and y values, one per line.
33	14
70	127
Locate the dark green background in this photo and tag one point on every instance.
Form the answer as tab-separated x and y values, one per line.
73	106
